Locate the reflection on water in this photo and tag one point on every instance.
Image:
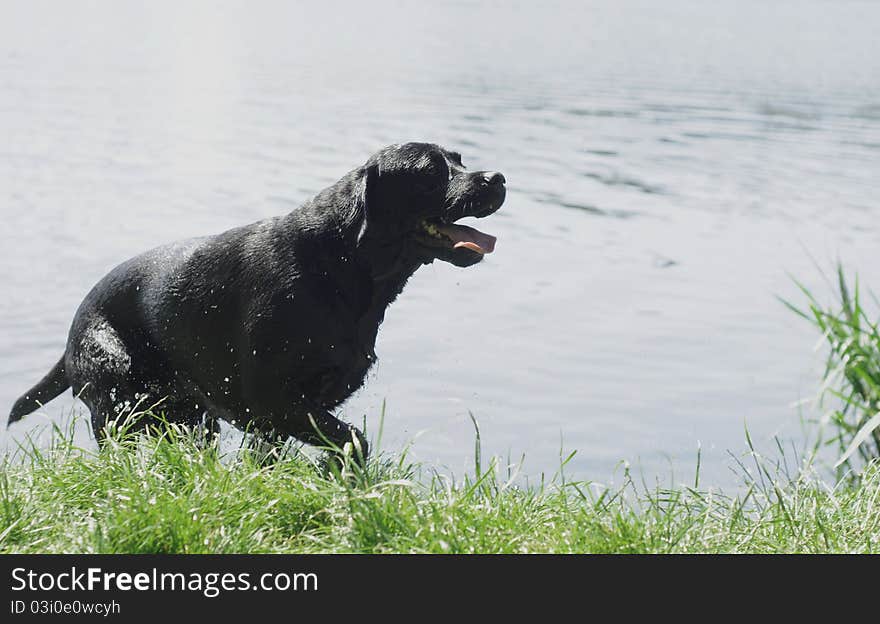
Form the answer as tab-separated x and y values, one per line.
667	163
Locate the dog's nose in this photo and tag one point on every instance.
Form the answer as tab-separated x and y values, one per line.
494	177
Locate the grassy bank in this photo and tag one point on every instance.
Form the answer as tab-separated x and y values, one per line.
161	493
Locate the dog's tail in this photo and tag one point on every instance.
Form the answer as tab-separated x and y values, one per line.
54	383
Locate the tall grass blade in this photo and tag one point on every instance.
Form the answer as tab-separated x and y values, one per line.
863	434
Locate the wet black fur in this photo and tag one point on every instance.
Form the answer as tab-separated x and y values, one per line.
271	325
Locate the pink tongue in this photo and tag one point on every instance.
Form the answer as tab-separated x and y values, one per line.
469	238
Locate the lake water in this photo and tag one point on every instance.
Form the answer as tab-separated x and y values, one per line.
669	164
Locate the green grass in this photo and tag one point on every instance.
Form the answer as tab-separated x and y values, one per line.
851	384
161	493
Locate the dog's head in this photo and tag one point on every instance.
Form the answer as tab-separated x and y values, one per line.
414	193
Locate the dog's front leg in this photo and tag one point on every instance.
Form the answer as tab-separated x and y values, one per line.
312	424
328	431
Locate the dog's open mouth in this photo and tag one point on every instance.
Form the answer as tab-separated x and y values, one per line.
453	236
476	195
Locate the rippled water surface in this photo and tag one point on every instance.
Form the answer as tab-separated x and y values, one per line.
669	164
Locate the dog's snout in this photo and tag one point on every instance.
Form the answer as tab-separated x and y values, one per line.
494	177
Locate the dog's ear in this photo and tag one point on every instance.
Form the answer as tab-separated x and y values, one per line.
366	193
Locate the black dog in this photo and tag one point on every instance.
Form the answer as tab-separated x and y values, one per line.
272	325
